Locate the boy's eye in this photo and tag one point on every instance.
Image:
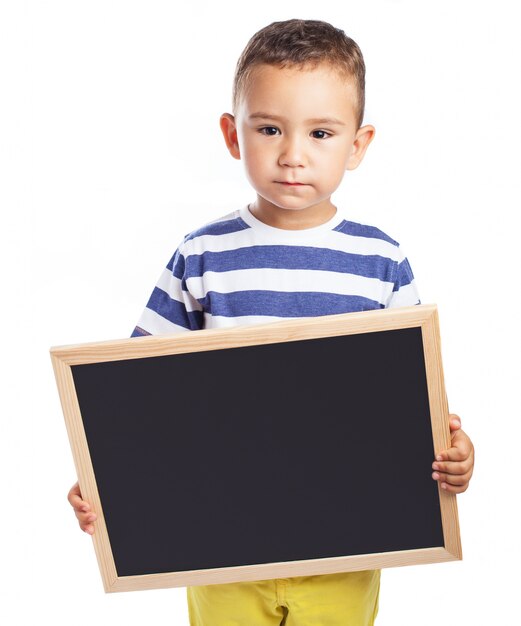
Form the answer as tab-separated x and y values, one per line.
320	134
269	130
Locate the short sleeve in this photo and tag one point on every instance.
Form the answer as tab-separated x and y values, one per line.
171	308
404	291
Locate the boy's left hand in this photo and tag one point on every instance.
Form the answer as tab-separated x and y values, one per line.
453	468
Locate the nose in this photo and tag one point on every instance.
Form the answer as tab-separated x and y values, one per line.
292	153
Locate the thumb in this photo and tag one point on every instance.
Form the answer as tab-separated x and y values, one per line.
454	423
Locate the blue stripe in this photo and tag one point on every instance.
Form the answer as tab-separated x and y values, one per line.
219	228
293	258
177	264
174	311
362	230
139	332
283	304
404	275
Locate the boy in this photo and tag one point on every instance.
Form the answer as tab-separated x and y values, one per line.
298	107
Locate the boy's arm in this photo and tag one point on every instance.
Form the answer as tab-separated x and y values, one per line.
404	291
453	468
171	308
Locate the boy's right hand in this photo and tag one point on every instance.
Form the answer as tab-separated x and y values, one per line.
86	517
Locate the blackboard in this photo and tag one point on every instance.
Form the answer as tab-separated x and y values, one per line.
285	449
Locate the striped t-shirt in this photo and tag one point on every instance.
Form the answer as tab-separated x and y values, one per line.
238	270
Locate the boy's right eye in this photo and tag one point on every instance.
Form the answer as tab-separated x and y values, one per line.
270	131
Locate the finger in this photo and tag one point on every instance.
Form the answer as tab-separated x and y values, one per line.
454	455
451	479
453	488
73	491
454	422
453	467
74	495
85	518
79	505
89	529
461	451
86	522
75	499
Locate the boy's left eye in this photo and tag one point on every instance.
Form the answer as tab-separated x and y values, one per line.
320	134
270	131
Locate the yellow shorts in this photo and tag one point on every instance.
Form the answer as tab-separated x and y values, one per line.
329	600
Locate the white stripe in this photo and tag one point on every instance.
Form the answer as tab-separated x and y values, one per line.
333	240
219	321
364	245
290	281
405	296
225	218
155	324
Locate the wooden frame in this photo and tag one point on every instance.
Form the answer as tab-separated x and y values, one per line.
422	316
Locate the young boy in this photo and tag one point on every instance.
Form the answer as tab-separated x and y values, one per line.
298	107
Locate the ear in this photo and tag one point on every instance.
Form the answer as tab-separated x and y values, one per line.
229	130
363	138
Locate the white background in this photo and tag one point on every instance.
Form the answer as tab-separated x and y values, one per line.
111	152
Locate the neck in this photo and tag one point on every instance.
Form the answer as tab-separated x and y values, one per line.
292	219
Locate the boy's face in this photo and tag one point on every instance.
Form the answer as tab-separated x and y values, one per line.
296	132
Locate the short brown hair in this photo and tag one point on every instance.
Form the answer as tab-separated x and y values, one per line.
301	43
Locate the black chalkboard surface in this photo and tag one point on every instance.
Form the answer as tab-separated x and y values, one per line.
294	451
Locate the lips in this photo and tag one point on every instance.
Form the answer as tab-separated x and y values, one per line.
283	182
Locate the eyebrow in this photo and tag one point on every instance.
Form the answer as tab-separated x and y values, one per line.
278	118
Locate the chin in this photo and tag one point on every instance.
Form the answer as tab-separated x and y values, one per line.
290	205
291	209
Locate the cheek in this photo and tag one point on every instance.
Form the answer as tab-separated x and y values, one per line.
254	160
336	164
330	173
332	166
